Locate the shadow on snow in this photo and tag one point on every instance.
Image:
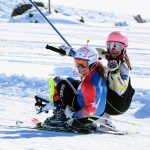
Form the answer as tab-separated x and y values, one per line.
27	133
141	102
20	85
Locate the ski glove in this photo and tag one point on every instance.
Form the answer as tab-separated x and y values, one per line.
69	115
68	112
66	49
113	66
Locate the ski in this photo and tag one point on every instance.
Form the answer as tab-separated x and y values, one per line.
21	125
37	125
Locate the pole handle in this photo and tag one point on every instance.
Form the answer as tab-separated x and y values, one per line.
58	50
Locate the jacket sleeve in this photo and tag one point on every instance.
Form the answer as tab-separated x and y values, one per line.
72	52
118	82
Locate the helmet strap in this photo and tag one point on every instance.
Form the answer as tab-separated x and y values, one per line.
92	68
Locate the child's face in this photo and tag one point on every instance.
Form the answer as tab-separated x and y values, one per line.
83	71
82	66
115	48
115	53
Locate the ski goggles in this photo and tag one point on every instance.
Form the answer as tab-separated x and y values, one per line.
81	63
117	45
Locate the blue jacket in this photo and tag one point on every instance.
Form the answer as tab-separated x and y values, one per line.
92	94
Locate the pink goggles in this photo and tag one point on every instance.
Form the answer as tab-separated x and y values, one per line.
117	45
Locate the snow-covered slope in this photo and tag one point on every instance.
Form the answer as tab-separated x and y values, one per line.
69	13
25	67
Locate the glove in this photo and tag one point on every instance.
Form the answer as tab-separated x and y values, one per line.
68	112
113	66
69	115
66	49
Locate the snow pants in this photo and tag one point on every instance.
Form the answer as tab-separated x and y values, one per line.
116	104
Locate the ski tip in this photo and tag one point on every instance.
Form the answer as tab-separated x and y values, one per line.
35	120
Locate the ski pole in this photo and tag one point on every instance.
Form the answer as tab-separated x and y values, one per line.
58	50
98	124
49	23
104	118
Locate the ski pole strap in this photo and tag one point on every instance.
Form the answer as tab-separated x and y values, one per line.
51	89
71	86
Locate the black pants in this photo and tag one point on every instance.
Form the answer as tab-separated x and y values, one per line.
69	98
116	104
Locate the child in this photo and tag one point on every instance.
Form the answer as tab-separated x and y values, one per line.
120	91
85	98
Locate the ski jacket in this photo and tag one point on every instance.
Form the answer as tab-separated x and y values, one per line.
119	81
120	91
92	93
91	97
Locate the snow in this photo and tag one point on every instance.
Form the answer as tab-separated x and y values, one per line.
26	66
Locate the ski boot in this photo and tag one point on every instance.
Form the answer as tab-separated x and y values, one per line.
57	120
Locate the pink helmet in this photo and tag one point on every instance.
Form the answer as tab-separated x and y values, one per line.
118	36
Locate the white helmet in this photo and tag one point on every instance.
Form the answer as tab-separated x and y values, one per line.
87	53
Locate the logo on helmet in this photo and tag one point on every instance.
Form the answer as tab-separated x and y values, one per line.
92	55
